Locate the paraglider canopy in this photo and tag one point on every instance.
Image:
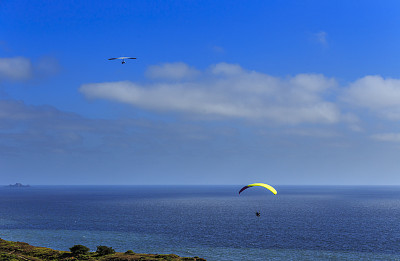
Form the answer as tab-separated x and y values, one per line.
259	185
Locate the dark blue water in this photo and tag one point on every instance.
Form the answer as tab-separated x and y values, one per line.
214	222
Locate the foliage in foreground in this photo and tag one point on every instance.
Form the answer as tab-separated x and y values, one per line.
78	250
105	250
20	251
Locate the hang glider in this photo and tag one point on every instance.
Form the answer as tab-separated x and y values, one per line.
122	58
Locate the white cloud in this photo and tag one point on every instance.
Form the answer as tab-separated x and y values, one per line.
172	71
227	69
227	90
321	37
21	68
390	137
16	68
379	95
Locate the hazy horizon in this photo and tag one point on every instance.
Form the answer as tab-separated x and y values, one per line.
228	185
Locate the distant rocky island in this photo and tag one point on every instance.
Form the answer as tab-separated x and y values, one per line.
18	185
20	251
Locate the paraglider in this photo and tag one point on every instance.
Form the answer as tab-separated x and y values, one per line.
121	58
270	188
259	185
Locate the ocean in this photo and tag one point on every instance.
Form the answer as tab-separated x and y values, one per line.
212	222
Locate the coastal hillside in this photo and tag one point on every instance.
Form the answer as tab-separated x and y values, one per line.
20	251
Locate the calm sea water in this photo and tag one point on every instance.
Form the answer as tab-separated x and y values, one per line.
213	222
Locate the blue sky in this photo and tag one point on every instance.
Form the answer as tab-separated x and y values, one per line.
222	92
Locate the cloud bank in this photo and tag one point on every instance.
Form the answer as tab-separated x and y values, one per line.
226	90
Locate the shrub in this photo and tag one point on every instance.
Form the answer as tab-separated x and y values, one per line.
8	257
104	250
129	252
79	250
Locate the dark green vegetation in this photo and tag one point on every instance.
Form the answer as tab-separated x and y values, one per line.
105	250
79	250
19	251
